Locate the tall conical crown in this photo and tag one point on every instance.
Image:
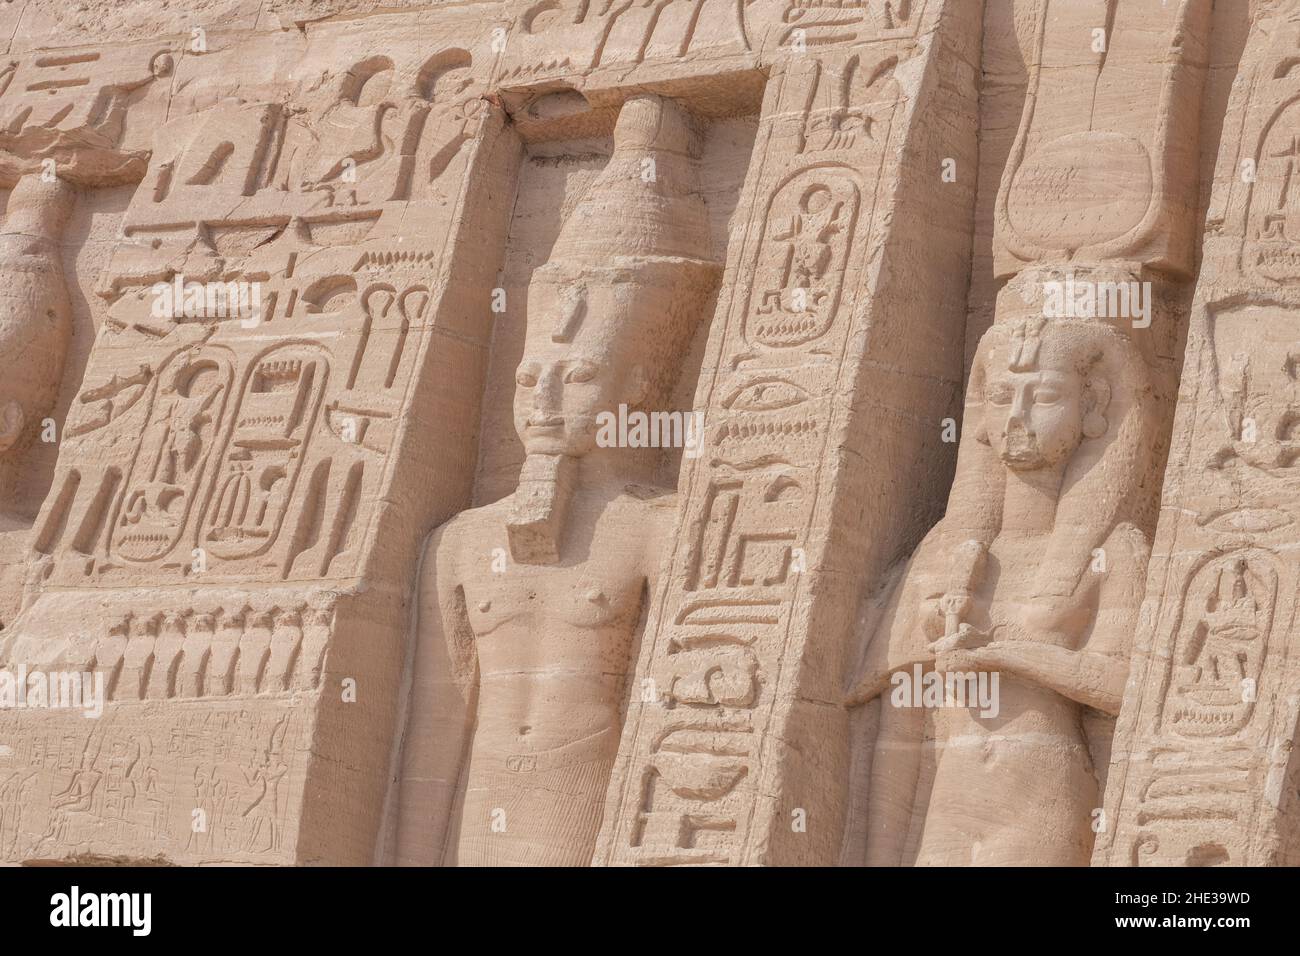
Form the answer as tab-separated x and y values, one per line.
646	202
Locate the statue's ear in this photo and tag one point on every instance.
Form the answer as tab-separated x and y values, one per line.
1096	398
12	420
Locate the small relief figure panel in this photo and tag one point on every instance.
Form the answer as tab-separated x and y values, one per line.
213	785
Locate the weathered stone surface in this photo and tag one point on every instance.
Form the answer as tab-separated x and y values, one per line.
517	433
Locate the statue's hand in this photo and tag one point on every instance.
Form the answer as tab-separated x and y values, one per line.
965	638
967	657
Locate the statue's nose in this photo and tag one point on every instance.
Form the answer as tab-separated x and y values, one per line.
546	399
1019	409
1017	424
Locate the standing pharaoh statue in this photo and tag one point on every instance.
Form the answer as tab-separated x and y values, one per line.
35	322
1035	576
529	609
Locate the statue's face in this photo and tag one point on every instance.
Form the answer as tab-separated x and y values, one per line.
561	387
1034	418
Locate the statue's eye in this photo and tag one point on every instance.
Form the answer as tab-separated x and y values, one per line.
1046	395
999	393
526	377
582	372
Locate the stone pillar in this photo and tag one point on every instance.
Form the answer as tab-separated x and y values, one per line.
840	311
1203	770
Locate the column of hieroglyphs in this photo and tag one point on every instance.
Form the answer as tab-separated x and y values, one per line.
1202	770
834	356
1034	575
283	391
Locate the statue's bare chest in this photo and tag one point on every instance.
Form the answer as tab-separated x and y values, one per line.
597	594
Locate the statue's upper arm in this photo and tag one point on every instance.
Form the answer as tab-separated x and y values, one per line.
443	621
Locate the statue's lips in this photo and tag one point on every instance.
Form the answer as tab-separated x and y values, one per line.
545	424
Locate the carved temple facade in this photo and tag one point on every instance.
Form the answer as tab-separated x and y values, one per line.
310	310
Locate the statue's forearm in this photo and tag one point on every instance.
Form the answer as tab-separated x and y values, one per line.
1089	678
433	760
870	685
878	672
440	722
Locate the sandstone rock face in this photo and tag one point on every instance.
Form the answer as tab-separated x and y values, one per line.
734	432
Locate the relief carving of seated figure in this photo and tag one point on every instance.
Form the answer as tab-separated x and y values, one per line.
1035	574
530	609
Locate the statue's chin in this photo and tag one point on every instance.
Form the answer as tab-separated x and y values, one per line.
551	445
544	448
1021	459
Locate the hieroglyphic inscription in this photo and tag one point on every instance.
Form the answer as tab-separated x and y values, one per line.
744	553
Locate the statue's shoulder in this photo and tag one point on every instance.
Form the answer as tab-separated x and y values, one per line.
468	527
